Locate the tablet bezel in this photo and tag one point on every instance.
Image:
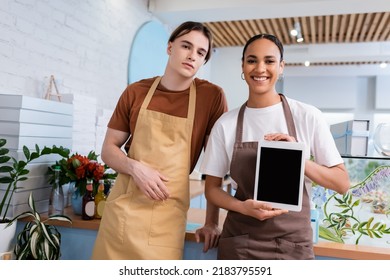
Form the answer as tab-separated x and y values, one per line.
284	146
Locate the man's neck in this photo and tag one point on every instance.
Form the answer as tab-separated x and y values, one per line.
175	82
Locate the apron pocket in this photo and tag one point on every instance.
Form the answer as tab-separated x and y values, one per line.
233	248
125	210
287	250
114	217
168	225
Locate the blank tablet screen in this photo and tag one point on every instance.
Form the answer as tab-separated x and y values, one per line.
279	177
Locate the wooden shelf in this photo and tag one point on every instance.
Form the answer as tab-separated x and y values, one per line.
350	251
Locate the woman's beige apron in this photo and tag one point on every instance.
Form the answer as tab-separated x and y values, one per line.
288	236
134	226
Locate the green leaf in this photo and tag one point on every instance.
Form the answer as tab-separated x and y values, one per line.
46	151
349	197
47	235
22	179
6	180
5	169
327	234
357	240
24	172
37	149
4	159
381	227
60	218
20	165
3	142
356	203
369	222
33	241
34	155
362	225
26	152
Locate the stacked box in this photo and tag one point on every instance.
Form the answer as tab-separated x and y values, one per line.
84	122
28	121
102	120
351	137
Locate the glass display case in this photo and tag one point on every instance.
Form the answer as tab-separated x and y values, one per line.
362	215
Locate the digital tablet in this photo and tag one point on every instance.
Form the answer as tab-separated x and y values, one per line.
280	169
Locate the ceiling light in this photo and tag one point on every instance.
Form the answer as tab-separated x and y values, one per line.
383	65
296	32
293	32
307	63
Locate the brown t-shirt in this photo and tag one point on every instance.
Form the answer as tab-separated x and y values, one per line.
210	105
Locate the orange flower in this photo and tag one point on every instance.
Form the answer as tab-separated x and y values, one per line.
81	168
78	169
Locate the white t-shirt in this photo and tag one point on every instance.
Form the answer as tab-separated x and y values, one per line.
311	127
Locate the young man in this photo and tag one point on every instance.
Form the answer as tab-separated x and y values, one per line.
168	120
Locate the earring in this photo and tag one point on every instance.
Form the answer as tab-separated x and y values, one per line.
242	76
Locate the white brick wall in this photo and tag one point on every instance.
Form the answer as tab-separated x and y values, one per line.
85	44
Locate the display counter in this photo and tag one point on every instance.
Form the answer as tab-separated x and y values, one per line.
80	235
322	250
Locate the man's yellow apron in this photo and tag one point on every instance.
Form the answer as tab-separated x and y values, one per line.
134	226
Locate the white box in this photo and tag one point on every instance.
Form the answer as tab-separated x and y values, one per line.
78	98
21	197
351	137
38	104
37	117
35	130
41	206
17	143
33	182
29	121
38	169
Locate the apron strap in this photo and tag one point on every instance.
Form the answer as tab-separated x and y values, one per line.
149	95
191	104
240	121
289	117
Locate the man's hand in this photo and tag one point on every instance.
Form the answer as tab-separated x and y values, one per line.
150	181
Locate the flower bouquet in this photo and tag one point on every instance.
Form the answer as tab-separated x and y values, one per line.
78	169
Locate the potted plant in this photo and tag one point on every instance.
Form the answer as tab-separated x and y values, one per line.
15	171
38	240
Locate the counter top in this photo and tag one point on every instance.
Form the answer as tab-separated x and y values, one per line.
196	216
323	249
